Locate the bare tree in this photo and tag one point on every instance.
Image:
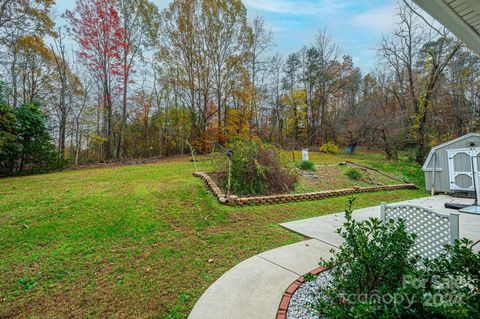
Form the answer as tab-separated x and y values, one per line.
421	53
139	19
260	43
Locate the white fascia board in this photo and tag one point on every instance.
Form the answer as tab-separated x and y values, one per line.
446	16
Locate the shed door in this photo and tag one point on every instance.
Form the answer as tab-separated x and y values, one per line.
460	168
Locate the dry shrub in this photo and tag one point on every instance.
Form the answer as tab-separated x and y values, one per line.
258	169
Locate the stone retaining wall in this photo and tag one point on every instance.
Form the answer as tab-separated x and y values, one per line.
286	198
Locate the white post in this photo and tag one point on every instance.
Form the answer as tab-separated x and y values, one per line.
305	154
383	212
432	186
454	227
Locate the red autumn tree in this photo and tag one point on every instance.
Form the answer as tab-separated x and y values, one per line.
95	25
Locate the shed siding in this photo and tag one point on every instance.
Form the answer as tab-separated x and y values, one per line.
442	180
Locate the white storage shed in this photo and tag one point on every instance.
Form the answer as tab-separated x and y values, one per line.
450	167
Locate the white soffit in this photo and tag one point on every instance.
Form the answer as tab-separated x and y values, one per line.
461	17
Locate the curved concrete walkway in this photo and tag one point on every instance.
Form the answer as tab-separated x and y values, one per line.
254	287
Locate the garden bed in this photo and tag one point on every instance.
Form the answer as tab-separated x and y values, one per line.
234	200
331	176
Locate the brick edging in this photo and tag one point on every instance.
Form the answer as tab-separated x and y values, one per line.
286	198
287	295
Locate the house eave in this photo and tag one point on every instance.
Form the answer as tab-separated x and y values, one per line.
444	14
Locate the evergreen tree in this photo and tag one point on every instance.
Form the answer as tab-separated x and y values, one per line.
24	140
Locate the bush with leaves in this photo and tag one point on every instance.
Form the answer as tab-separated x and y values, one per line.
447	286
329	148
257	169
373	259
306	165
353	174
9	145
25	144
375	275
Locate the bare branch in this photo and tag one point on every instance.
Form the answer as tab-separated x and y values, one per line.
422	17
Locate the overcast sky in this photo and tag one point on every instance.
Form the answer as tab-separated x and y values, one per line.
356	25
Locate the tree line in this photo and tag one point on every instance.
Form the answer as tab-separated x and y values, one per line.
140	82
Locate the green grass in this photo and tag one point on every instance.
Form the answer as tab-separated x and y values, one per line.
136	241
330	175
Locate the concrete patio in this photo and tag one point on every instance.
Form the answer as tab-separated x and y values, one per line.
324	228
254	287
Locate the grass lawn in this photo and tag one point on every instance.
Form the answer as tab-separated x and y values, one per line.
139	241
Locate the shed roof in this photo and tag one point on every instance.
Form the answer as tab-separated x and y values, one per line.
435	148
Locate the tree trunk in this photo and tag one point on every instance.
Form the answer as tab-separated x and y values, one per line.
61	135
123	125
14	78
390	153
108	117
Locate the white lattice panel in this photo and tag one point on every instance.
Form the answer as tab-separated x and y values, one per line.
433	230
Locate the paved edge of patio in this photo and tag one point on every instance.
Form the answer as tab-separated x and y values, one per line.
323	227
254	287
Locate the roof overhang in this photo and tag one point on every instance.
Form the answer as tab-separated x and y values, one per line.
461	17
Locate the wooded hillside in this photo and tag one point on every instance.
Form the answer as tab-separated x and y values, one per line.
120	79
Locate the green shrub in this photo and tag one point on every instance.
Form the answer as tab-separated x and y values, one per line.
447	286
257	169
373	258
25	144
375	275
353	174
306	165
329	148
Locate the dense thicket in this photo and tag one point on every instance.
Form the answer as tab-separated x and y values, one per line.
140	82
25	144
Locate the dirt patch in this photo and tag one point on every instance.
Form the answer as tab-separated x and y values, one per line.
324	177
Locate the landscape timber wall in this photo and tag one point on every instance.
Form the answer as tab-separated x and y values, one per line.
233	200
